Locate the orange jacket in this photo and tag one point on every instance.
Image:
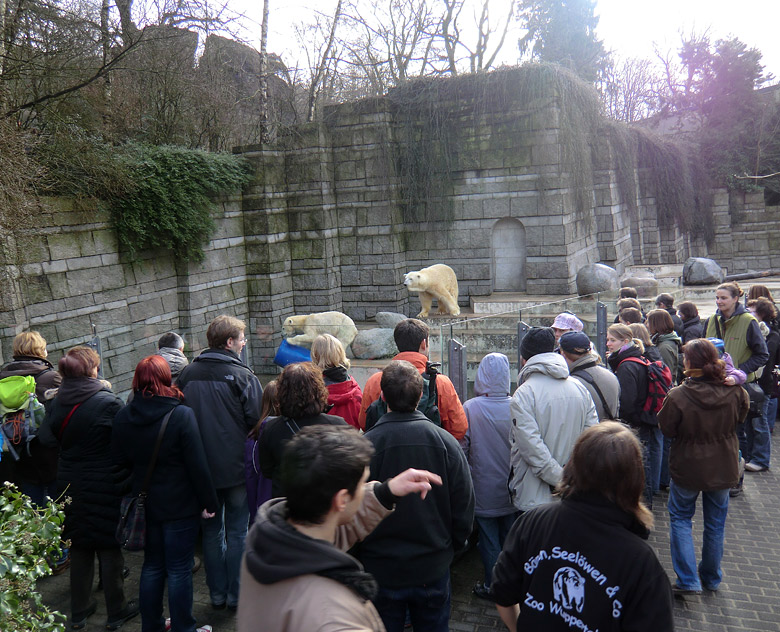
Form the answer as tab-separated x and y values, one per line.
453	418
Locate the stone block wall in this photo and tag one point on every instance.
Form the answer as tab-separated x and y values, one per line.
323	225
72	275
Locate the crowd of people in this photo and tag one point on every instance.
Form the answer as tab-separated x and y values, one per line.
324	506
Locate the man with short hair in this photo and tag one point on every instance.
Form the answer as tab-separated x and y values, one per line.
549	411
226	397
296	575
411	551
666	301
411	338
171	347
585	365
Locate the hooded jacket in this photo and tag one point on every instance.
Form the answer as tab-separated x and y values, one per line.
291	582
701	417
669	346
588	565
486	444
226	398
39	467
601	377
175	359
344	395
181	484
453	419
87	471
550	410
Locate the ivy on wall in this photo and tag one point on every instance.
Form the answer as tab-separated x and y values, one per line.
158	196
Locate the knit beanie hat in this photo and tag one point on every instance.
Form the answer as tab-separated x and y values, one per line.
537	340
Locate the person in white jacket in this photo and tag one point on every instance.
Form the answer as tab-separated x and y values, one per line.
549	411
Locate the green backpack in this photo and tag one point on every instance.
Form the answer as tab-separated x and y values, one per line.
429	402
22	414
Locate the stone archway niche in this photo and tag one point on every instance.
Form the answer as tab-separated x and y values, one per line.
509	254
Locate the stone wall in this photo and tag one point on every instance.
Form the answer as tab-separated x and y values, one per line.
323	225
73	275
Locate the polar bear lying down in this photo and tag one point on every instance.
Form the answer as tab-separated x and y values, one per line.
435	282
310	326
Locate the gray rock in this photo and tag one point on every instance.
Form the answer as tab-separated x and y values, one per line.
646	285
701	271
370	344
596	277
388	320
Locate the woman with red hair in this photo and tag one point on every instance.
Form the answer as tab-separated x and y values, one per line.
180	490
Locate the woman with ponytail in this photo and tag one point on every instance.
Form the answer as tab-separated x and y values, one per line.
701	417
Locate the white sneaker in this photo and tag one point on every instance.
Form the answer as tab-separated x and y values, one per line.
752	467
204	628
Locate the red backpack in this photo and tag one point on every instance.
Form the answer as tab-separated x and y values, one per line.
659	382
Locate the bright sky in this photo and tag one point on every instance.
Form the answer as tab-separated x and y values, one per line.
628	27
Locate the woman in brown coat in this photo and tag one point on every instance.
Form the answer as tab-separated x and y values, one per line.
701	417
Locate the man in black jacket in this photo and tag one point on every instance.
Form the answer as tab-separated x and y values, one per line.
410	552
226	397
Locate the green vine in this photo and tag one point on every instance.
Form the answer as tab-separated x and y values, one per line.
29	537
159	196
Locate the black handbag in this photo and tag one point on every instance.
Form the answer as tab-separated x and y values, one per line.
757	397
131	530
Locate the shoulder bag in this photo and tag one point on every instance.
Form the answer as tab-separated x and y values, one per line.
131	530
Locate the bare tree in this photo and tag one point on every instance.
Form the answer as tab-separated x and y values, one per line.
629	89
263	75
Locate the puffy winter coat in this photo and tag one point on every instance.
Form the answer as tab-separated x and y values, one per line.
550	410
344	395
87	473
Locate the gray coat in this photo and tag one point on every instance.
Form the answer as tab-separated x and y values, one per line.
596	375
486	444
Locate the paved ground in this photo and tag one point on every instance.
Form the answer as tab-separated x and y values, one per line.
749	598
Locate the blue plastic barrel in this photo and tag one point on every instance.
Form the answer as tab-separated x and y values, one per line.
288	354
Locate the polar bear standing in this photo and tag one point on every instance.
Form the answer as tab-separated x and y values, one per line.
435	282
310	326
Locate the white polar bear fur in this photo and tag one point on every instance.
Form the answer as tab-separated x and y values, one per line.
310	326
435	282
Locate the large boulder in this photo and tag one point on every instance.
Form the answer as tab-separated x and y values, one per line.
596	277
645	284
388	320
370	344
701	271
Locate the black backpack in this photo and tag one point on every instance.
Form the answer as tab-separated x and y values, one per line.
429	402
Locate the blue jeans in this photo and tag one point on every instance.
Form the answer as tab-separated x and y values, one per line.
168	553
223	544
771	413
492	533
759	441
652	444
682	506
429	606
664	480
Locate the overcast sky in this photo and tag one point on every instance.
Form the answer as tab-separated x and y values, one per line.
628	27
